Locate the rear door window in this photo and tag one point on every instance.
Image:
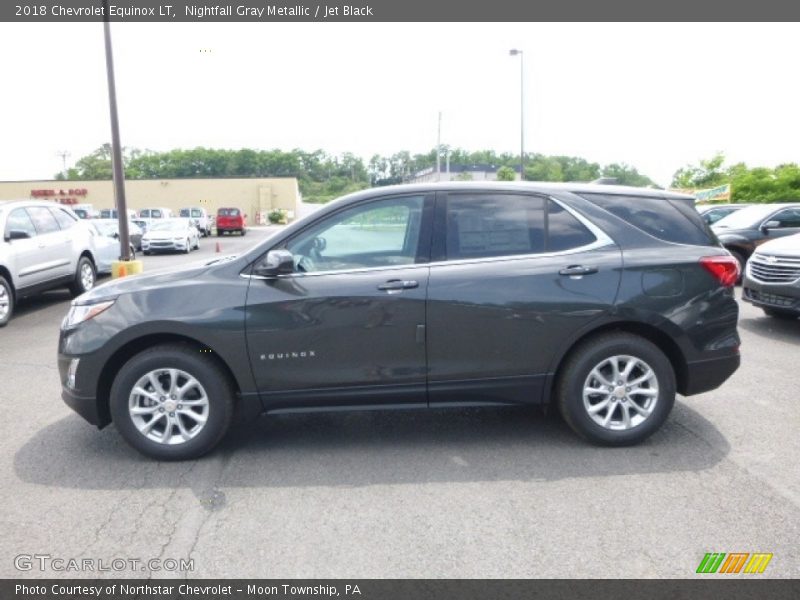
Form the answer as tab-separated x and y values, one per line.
484	225
65	220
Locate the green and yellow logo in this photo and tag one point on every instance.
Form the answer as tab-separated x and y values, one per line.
735	562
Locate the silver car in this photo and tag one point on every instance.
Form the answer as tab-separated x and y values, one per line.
44	246
171	234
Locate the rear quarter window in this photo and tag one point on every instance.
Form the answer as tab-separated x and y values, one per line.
668	220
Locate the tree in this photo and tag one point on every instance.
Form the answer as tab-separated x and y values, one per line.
506	174
626	175
709	173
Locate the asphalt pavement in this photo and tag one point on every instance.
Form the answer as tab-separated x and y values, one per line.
474	493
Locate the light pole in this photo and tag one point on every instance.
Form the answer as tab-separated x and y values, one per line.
116	146
516	52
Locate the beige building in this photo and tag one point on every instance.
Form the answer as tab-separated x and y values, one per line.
255	196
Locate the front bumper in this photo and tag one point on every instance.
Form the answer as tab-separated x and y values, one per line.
85	406
163	246
783	296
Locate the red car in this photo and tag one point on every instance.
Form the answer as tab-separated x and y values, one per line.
230	220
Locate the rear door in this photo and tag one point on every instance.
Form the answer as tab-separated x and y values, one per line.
512	276
54	245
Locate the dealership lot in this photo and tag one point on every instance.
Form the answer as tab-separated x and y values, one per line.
470	493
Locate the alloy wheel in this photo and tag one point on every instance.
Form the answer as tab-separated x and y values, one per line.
620	392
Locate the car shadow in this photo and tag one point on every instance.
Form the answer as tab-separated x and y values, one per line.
32	304
369	448
784	330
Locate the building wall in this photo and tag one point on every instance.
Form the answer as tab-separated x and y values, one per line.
250	195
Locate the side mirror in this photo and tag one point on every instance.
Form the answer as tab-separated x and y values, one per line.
770	225
17	234
277	262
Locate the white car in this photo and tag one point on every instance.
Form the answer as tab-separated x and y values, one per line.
171	234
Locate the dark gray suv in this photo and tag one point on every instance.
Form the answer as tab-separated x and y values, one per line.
605	301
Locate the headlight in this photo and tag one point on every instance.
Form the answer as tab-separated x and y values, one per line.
84	312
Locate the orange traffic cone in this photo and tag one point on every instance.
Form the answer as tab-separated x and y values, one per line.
122	272
218	248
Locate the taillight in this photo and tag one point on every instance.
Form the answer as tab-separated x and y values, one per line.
725	269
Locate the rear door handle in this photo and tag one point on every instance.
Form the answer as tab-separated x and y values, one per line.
577	270
395	285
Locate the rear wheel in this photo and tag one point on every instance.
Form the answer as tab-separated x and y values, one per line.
243	231
85	277
616	389
171	403
778	313
6	301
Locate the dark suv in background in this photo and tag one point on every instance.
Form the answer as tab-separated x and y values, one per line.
603	300
743	231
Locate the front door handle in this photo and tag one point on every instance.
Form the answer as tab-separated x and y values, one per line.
577	270
396	285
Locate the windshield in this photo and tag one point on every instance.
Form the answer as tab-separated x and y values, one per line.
228	212
107	227
168	225
747	217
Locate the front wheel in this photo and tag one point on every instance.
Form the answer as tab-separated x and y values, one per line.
85	277
171	403
616	389
6	301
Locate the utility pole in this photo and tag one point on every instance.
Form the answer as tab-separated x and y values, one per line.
439	150
116	146
516	52
64	154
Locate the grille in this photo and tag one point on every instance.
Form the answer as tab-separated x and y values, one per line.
774	269
161	244
772	299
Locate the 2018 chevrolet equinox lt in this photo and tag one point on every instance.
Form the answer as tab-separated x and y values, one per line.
604	300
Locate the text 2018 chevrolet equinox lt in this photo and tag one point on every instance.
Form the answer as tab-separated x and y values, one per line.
604	300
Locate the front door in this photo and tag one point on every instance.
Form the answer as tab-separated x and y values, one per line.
347	327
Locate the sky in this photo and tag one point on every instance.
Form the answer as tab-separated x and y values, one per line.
655	96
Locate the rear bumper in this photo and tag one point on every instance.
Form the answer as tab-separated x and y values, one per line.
706	375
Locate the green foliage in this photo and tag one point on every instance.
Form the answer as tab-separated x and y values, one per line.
506	174
758	184
321	176
276	216
463	176
626	175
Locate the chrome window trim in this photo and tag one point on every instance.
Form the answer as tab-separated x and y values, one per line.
602	240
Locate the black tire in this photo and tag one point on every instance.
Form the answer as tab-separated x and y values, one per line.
7	300
205	370
778	313
146	252
133	253
742	262
243	231
78	285
188	247
576	372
